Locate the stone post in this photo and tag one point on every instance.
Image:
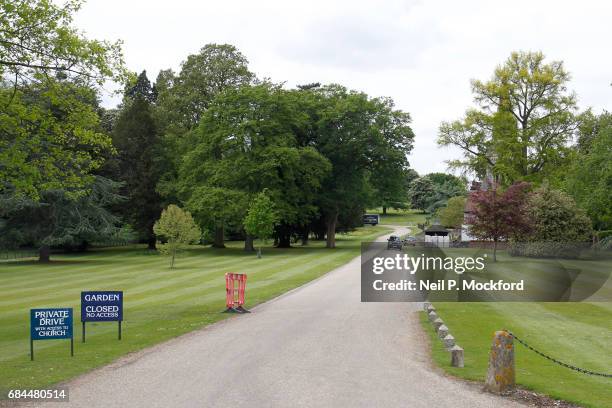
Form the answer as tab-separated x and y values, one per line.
456	356
449	341
437	323
442	331
432	316
501	374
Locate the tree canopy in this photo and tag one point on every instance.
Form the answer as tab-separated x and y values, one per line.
49	138
139	159
589	178
244	144
452	214
59	219
498	215
49	127
524	120
38	40
261	218
432	191
178	229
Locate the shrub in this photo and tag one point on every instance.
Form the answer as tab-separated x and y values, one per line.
559	227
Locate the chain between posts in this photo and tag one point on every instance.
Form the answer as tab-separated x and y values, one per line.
561	363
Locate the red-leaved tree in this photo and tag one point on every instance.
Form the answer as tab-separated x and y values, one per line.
498	215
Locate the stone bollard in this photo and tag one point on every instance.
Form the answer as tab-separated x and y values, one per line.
437	323
432	316
431	308
426	305
456	356
449	341
501	375
442	331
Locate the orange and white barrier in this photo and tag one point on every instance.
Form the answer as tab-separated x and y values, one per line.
235	286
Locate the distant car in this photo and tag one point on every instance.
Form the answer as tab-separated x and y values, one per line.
410	241
371	219
394	242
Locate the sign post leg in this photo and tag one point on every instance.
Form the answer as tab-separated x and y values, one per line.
83	332
72	347
31	349
119	329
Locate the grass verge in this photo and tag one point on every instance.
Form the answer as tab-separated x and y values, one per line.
399	217
576	333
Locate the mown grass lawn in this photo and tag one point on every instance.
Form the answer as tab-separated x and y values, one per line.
576	333
160	303
399	217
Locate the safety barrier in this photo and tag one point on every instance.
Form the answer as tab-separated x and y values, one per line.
235	286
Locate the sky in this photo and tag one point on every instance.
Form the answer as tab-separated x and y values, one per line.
420	53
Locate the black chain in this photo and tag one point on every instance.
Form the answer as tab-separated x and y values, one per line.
561	363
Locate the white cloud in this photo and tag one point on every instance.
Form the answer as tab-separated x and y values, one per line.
421	53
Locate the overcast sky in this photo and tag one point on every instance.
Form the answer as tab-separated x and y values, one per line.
421	53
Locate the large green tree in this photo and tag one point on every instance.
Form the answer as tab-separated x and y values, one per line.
452	214
246	143
184	97
203	76
432	191
357	134
139	159
589	179
58	218
421	193
50	138
49	135
391	169
523	123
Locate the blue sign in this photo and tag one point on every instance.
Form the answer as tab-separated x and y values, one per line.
102	306
49	324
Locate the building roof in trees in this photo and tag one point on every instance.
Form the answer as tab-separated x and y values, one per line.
436	229
486	184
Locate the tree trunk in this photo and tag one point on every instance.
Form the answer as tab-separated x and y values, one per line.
284	241
495	250
284	237
304	237
384	210
331	230
319	234
172	261
82	247
219	237
248	243
44	253
151	243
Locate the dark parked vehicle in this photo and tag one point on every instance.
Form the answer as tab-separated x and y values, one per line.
372	219
394	242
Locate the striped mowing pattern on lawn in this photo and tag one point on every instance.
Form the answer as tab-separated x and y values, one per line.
160	303
575	333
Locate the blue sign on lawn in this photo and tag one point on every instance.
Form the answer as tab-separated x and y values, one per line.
48	324
101	306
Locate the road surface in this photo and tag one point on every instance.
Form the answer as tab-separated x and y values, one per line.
317	346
